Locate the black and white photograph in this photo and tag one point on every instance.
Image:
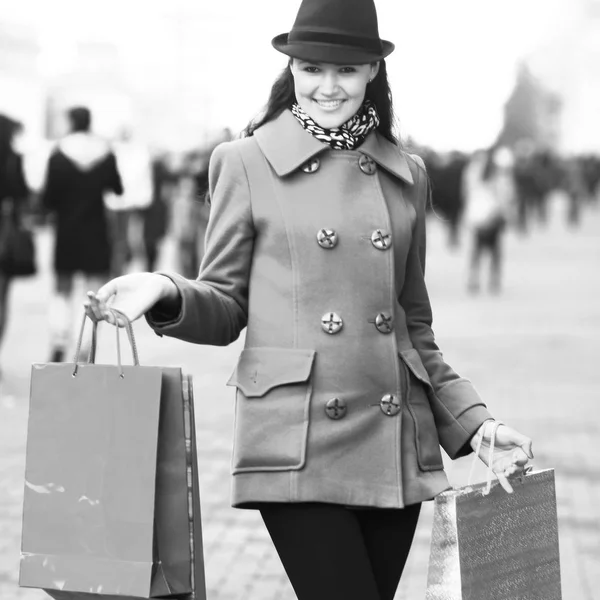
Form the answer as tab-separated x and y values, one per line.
299	300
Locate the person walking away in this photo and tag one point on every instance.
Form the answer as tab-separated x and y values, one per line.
134	163
316	244
488	188
446	189
81	170
14	194
186	218
155	216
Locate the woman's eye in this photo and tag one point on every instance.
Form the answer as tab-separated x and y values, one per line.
347	70
311	69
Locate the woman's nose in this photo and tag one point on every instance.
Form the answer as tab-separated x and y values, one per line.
329	85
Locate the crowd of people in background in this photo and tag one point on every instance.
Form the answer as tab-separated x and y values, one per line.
484	193
112	204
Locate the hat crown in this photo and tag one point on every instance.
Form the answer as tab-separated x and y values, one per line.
335	31
356	18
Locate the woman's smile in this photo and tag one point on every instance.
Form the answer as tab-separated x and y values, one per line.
329	105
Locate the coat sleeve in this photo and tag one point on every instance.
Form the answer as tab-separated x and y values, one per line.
214	307
457	408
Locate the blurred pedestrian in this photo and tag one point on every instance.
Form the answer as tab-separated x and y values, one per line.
13	197
190	214
81	170
488	186
575	188
316	243
134	164
591	176
446	175
155	217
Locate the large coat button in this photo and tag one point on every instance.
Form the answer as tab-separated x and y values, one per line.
382	240
327	238
367	165
390	405
336	409
331	323
312	165
384	323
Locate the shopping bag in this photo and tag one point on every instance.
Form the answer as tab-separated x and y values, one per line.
17	247
111	506
490	545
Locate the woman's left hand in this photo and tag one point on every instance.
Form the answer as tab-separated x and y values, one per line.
512	451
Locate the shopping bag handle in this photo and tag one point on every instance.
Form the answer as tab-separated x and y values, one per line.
489	471
92	355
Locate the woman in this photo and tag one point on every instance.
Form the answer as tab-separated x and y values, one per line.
316	243
13	194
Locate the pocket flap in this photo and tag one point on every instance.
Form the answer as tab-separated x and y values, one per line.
261	369
415	364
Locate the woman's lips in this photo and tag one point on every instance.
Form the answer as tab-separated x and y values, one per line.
329	104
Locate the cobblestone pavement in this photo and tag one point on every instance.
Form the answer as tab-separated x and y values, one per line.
532	352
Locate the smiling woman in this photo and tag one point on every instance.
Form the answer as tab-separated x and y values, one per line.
316	244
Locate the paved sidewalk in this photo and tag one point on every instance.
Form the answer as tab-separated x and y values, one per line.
532	353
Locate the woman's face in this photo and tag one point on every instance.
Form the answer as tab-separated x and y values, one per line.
331	94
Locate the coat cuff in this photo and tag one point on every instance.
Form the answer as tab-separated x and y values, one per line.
457	422
162	316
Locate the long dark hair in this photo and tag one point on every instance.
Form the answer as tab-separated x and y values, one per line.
282	96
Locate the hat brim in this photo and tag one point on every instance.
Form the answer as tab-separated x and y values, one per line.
330	53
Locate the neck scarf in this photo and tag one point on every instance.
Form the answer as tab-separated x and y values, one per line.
347	136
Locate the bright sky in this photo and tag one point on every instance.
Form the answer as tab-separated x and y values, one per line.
451	72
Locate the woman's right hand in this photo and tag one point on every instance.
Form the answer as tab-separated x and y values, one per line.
133	295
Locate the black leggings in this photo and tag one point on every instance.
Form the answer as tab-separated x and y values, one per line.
334	553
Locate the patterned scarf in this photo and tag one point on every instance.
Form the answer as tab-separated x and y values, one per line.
348	136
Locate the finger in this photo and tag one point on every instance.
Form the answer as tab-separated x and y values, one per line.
95	307
106	292
528	448
119	317
504	483
519	457
92	308
89	312
109	317
514	471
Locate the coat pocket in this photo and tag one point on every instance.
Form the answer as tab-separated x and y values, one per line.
429	455
272	409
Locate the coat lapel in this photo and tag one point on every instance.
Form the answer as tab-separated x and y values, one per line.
287	146
387	155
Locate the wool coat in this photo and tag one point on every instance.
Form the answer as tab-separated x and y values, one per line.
342	393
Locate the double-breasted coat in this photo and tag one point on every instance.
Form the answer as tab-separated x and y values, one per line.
342	393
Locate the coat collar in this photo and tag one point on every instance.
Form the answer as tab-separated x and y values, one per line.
287	146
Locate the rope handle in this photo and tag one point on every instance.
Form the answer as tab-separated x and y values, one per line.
489	470
92	354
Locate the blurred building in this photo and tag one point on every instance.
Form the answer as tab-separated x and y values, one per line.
532	112
569	65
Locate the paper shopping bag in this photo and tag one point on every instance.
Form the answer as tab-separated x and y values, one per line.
111	505
496	546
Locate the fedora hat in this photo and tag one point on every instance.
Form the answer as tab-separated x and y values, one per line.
335	31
